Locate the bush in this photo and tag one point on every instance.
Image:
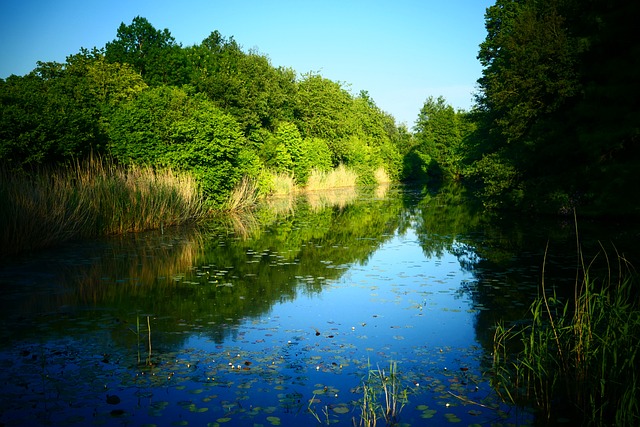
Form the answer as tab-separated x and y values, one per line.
167	127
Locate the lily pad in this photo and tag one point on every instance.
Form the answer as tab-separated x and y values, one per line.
340	409
452	418
275	421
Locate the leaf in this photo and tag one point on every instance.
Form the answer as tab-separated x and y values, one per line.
275	421
452	418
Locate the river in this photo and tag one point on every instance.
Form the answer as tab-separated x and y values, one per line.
293	315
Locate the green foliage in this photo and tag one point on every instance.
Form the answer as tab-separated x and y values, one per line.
245	85
211	109
318	153
153	53
499	181
438	139
57	112
165	126
579	358
322	111
557	105
287	135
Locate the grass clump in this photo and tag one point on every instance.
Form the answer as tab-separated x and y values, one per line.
383	397
245	195
578	358
283	184
381	176
91	198
339	177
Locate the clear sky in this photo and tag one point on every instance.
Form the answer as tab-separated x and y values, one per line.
400	51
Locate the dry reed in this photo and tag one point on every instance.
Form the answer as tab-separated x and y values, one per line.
91	198
339	177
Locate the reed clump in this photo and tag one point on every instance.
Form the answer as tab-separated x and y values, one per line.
381	176
339	177
383	397
282	184
91	198
578	358
244	196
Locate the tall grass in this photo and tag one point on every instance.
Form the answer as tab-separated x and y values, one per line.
245	195
283	184
381	176
578	358
91	198
383	397
339	177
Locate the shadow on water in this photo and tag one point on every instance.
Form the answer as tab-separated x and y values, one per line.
278	315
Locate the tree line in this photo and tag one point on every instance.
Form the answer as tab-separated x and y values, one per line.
554	126
211	109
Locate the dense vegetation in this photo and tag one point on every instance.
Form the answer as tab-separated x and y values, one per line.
555	125
212	109
558	114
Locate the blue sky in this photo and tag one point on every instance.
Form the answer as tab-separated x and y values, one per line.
400	51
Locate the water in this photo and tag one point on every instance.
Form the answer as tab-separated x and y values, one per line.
279	319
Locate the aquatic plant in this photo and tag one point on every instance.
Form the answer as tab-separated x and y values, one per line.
578	358
138	332
383	397
325	411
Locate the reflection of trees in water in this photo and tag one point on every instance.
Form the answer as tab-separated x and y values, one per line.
505	253
210	278
290	254
214	277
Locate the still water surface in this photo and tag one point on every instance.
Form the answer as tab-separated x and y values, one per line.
280	318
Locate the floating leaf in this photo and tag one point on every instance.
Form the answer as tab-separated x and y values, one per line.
452	418
275	421
341	409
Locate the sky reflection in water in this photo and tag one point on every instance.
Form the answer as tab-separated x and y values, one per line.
397	305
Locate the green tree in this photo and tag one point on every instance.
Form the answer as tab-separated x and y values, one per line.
318	153
153	53
558	116
439	140
529	74
244	85
168	127
57	111
322	111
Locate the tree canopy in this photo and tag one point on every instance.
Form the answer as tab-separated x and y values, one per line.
558	106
